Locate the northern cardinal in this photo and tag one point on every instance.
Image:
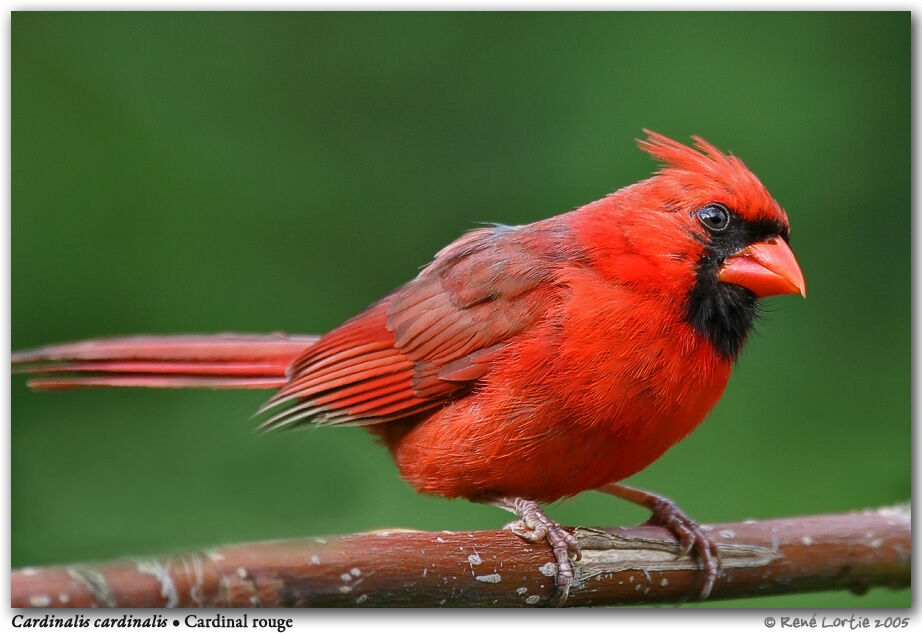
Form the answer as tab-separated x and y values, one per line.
525	363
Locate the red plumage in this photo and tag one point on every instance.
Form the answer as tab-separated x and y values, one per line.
535	361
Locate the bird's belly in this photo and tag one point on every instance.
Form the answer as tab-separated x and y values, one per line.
532	440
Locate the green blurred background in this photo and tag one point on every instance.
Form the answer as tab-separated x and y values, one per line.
260	172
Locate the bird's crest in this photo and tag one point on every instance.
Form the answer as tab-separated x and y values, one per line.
705	167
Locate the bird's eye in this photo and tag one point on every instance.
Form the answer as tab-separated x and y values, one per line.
714	216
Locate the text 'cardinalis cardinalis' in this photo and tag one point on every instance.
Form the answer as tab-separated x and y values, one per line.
525	363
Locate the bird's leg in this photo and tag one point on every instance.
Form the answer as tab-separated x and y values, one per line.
668	515
535	526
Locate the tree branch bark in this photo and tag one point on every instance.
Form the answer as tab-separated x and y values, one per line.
636	565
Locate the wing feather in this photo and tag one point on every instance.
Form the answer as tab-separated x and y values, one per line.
429	341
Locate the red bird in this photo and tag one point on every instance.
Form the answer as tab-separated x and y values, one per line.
525	363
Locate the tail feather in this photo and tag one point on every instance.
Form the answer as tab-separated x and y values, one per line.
147	381
220	361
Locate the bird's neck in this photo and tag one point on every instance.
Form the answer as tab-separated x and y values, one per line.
653	253
722	313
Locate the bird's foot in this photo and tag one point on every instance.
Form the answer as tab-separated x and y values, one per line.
535	526
691	537
665	513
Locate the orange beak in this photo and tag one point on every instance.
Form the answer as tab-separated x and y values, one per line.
767	268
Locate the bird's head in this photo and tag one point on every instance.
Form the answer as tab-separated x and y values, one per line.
706	231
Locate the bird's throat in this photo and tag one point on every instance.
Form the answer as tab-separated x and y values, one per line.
722	313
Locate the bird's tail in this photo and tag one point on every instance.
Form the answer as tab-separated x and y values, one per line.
218	361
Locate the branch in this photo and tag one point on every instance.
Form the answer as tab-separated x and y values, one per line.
637	565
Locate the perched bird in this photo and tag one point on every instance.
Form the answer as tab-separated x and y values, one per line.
525	363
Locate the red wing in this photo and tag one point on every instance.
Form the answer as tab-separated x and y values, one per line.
424	344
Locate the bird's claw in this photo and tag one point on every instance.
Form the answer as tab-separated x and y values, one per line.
526	530
534	526
535	532
691	537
